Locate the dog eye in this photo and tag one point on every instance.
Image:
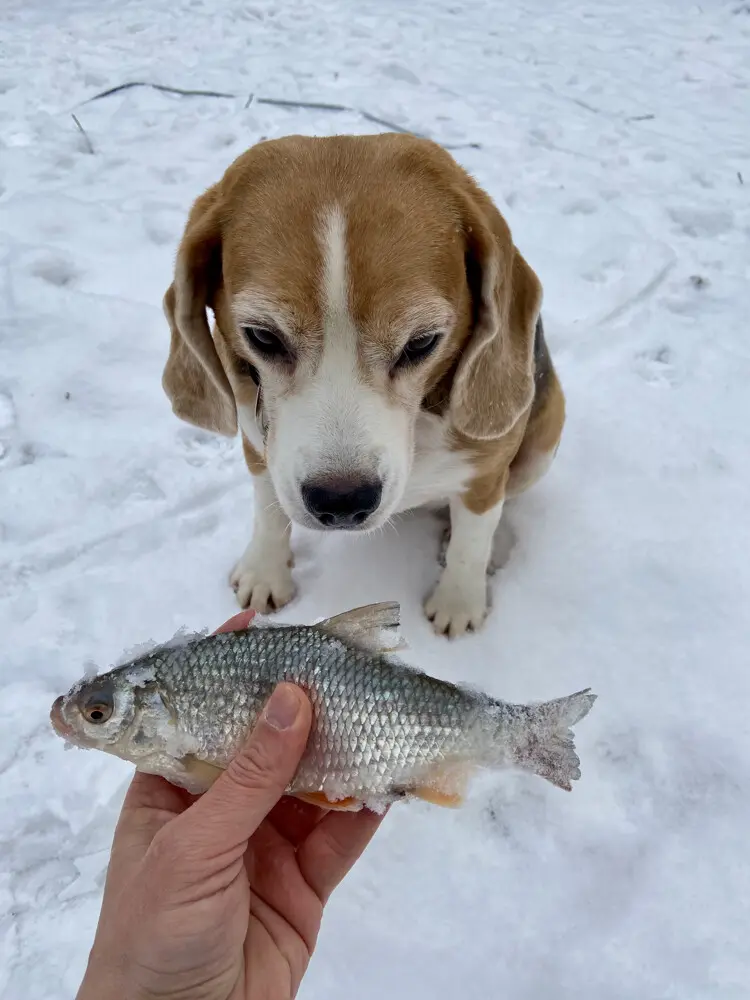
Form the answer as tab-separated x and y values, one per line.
417	348
266	342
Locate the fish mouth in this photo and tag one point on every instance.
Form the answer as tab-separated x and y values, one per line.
61	727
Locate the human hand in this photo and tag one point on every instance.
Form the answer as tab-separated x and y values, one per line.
221	897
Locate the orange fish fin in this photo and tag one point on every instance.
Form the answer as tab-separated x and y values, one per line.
321	800
373	627
437	798
446	785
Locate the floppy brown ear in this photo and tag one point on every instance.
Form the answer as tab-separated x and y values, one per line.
494	381
194	378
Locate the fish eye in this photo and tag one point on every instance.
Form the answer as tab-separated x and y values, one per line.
98	707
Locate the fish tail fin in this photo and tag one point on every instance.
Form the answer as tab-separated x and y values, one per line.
539	738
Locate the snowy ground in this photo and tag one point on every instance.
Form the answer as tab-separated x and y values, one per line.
615	138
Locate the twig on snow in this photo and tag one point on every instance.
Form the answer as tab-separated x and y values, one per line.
305	105
84	133
395	128
586	106
277	102
157	86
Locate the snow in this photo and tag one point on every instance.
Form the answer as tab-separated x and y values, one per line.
615	139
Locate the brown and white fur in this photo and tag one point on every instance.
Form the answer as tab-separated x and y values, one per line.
322	259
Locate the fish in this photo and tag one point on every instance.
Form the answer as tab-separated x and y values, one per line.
382	730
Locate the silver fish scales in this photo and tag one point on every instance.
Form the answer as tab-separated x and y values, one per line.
381	730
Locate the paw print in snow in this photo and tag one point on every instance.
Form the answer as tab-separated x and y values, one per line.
656	366
54	269
200	447
7	422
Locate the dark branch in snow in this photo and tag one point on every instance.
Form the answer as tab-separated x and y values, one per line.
277	102
84	133
387	124
307	105
157	86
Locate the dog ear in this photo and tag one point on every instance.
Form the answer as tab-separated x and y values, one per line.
194	378
494	382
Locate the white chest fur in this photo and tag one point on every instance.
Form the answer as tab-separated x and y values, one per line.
438	472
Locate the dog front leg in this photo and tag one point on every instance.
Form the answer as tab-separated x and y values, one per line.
459	601
262	579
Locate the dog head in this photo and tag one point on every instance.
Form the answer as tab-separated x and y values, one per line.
355	280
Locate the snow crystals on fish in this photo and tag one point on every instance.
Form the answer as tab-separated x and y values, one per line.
182	637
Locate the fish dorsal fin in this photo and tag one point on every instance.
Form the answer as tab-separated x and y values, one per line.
373	627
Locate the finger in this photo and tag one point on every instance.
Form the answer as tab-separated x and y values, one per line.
238	623
150	803
223	820
275	878
333	847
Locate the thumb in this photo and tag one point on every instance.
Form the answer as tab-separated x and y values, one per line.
228	814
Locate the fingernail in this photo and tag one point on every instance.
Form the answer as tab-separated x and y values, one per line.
283	707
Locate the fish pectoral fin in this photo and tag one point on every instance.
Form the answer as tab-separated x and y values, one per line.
373	627
321	800
445	786
201	773
437	798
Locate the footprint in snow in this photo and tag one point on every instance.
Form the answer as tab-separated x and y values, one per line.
609	272
700	222
137	487
581	206
657	366
223	140
41	883
198	525
159	234
7	422
655	156
54	269
7	411
398	72
172	175
200	447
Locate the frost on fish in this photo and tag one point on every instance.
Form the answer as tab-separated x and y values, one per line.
90	670
182	637
539	738
381	731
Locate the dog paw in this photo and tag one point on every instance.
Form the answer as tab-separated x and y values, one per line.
455	607
262	580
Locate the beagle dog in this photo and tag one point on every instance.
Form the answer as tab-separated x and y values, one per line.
378	343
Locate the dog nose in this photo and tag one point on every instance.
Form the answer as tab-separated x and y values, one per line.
342	503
